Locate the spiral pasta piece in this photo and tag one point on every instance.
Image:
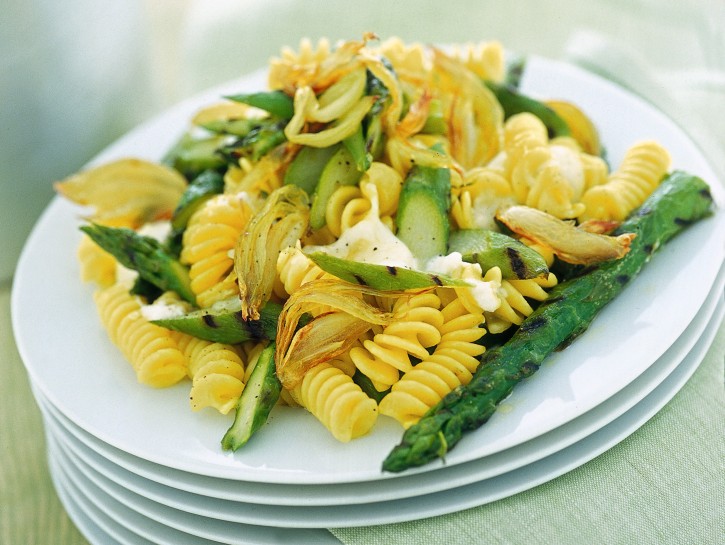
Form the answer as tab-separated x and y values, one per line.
514	306
414	328
216	371
150	349
337	402
346	207
378	188
453	362
641	171
96	265
482	193
294	269
548	175
211	234
595	170
522	132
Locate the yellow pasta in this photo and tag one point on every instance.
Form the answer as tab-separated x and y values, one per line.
483	191
345	208
642	169
211	234
379	188
415	328
96	264
550	175
151	350
294	269
336	401
514	306
452	364
216	371
522	132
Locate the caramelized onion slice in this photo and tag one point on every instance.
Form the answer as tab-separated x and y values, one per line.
324	338
329	334
278	225
568	242
127	192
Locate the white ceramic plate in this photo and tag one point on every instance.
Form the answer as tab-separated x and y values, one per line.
95	525
185	491
70	360
109	493
90	495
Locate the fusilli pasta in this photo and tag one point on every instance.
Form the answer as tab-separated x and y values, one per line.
642	169
452	363
150	349
415	327
211	234
336	401
216	371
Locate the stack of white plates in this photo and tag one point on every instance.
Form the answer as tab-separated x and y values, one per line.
135	465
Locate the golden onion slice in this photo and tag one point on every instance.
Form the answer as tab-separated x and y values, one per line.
278	225
324	338
127	192
568	242
329	334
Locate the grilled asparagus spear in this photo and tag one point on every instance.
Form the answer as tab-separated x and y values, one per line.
224	323
680	200
256	402
145	255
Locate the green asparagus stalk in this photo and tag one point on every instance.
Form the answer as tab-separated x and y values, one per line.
223	323
256	143
192	156
425	194
276	103
256	402
680	200
202	188
494	249
144	255
374	133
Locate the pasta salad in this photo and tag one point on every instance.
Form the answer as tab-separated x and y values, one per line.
354	239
